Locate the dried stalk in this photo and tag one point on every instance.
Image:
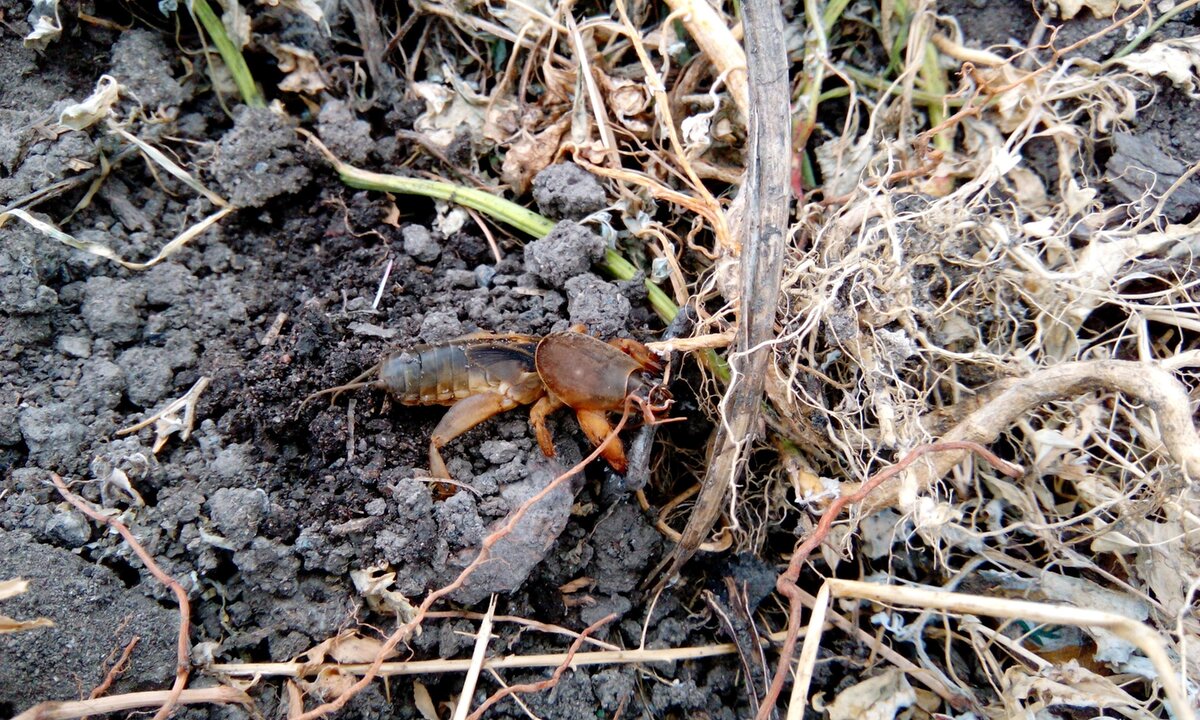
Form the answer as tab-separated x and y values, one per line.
765	224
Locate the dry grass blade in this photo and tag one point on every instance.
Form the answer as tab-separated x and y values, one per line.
478	655
431	667
134	701
170	248
548	682
1140	635
170	166
12	588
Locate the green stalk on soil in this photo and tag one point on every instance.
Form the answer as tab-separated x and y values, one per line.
497	208
229	53
935	83
513	215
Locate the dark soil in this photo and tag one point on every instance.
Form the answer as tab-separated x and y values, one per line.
264	512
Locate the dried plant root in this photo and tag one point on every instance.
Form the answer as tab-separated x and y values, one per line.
1157	388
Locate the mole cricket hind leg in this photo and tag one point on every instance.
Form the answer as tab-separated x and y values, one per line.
461	417
537	418
596	426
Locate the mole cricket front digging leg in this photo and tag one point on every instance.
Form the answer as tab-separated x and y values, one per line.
595	425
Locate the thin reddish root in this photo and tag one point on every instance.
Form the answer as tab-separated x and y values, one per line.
117	668
541	684
786	584
402	632
183	649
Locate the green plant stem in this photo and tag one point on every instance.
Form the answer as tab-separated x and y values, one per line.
495	207
807	173
229	53
622	269
1153	28
816	48
504	211
515	216
833	13
875	83
935	84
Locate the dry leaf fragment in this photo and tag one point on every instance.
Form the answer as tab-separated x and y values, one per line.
843	163
516	15
330	684
1069	684
302	72
347	647
424	701
237	24
304	7
294	702
1177	60
877	698
95	108
630	101
351	647
447	111
531	154
375	584
47	26
12	588
1068	9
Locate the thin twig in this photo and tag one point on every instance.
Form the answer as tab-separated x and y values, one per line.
526	622
117	668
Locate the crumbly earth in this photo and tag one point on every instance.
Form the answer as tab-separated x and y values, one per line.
263	513
270	505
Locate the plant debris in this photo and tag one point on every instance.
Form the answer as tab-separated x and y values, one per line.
947	472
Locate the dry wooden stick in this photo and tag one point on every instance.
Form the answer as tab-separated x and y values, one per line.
52	710
183	646
768	175
708	29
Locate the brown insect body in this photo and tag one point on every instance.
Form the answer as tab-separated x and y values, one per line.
587	373
444	373
485	374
